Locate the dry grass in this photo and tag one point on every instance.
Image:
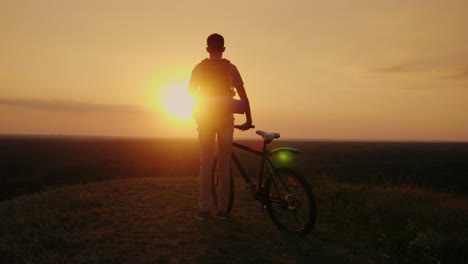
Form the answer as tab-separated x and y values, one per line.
150	220
394	224
144	220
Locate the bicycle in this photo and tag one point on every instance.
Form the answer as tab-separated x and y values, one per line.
285	194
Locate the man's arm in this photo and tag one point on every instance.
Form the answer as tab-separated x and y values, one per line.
238	83
243	95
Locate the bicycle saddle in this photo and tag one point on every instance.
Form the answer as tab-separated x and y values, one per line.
267	136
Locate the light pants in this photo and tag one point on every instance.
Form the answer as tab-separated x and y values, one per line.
207	137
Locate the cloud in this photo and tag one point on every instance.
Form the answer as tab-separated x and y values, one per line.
399	68
72	106
431	69
460	73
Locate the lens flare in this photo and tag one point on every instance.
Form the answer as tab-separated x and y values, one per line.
284	157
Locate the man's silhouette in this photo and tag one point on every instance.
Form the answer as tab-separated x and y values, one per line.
212	84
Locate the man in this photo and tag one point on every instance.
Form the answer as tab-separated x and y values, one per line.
212	84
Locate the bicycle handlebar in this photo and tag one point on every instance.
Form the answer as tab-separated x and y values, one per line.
239	126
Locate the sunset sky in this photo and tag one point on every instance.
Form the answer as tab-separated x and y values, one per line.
365	70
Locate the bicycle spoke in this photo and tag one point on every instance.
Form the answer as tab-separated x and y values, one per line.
291	204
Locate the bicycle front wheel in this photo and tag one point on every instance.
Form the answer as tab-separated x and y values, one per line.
290	201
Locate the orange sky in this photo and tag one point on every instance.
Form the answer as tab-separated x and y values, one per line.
379	70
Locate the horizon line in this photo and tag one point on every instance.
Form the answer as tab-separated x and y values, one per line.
34	135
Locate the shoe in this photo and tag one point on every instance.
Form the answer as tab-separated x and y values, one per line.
203	215
221	215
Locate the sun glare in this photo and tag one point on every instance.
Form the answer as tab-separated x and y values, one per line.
176	102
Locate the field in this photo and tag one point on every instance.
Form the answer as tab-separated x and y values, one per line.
133	200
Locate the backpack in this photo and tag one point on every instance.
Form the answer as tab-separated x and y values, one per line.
215	78
215	91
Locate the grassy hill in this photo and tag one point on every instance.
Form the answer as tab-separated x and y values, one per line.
150	220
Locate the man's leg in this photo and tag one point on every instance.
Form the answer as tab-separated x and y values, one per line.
206	137
225	137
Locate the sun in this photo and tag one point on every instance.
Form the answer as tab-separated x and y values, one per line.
177	103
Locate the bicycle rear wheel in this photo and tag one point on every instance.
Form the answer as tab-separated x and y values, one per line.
215	185
290	201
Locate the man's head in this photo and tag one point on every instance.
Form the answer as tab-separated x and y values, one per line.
215	43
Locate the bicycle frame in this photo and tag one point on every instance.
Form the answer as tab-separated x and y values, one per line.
266	162
286	195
